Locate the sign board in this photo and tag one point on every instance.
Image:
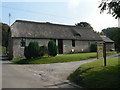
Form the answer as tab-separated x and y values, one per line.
99	50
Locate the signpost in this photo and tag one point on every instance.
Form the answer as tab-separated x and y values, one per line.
100	50
104	53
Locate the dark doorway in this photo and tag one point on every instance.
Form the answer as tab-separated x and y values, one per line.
60	46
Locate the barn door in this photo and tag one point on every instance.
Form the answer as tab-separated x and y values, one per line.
60	46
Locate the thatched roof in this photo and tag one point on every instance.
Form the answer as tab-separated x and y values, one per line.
106	39
31	29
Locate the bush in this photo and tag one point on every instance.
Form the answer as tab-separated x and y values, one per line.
26	53
93	47
43	50
52	48
32	51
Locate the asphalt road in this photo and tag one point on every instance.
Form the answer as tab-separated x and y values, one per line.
15	76
38	75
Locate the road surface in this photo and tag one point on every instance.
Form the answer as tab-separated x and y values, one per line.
38	75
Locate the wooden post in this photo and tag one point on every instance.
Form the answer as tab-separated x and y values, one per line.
104	53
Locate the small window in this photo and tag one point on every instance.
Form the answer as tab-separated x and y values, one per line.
23	42
73	43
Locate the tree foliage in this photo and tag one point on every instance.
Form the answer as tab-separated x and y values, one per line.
113	7
43	50
84	24
4	28
114	34
32	51
26	53
52	48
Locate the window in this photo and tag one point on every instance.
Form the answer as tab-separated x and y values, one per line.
73	43
23	42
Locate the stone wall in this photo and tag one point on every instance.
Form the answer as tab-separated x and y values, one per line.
10	46
110	46
40	41
67	46
80	46
18	51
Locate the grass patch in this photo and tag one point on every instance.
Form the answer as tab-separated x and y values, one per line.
109	53
56	59
59	58
95	75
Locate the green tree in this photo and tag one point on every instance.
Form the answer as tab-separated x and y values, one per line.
112	6
43	50
4	27
84	24
114	34
32	51
26	53
52	48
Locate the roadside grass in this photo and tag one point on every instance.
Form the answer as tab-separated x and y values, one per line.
95	75
58	58
109	53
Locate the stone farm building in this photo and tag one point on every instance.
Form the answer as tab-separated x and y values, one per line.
68	38
110	46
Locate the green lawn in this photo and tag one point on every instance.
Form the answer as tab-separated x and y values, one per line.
95	75
58	59
109	53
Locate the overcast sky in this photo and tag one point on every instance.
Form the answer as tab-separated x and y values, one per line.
67	12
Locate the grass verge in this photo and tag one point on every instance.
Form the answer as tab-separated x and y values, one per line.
59	58
95	75
56	59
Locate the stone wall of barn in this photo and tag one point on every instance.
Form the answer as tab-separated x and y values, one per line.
67	46
10	46
110	46
18	51
80	46
41	42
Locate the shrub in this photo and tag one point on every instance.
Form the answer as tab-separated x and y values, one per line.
26	53
43	50
32	51
52	48
93	47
